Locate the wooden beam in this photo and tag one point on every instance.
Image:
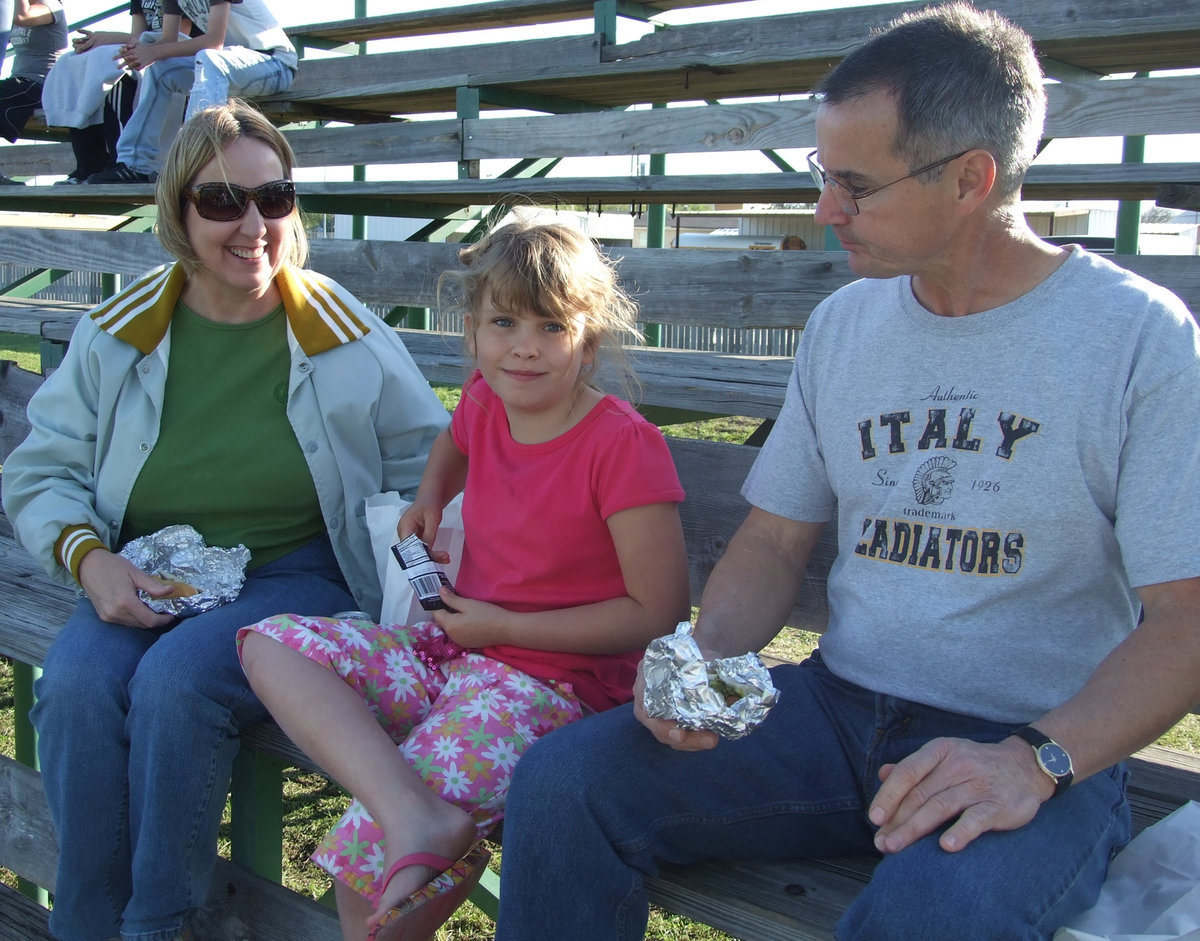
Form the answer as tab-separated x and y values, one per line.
491	15
1179	196
770	55
239	902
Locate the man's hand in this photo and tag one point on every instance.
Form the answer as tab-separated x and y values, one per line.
111	582
668	731
136	56
986	787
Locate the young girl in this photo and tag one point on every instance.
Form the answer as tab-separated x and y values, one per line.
573	560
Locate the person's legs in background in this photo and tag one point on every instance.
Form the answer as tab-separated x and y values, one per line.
18	99
237	71
138	147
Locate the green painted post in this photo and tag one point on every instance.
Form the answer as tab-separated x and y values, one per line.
605	17
256	814
358	224
1129	211
25	746
466	108
656	232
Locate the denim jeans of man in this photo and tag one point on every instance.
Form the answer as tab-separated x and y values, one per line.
210	77
597	806
137	734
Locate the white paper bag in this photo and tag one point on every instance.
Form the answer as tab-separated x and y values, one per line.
1152	892
400	605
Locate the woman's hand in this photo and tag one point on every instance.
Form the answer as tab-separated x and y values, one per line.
90	39
111	582
84	41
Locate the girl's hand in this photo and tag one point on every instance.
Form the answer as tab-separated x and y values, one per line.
471	623
111	582
84	41
422	518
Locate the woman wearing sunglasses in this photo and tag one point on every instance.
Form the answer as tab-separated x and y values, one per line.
258	402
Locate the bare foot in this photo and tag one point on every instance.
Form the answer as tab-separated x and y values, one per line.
447	831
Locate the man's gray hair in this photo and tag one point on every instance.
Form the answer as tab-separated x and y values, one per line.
961	79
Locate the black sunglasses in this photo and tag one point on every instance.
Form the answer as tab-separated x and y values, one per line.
224	202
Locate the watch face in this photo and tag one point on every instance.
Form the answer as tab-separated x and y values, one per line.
1054	759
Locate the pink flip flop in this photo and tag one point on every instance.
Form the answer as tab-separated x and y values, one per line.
420	915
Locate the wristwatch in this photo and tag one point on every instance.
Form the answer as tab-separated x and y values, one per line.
1051	757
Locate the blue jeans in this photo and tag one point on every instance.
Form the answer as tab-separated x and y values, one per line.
138	730
598	805
211	77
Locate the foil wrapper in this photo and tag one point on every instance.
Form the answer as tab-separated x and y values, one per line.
730	696
178	553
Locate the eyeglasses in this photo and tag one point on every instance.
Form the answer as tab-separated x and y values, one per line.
224	202
847	198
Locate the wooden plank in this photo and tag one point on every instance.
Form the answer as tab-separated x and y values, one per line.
34	607
1119	36
1167	774
1121	108
798	900
38	159
770	55
1179	196
491	15
425	80
372	144
701	130
729	288
128	253
436	198
240	904
27	843
726	288
16	387
21	919
1077	109
677	379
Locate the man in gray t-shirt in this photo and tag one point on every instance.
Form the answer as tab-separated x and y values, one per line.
39	35
1004	432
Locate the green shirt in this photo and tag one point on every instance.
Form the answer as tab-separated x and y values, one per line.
226	460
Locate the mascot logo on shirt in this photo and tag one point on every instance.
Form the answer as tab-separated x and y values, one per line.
934	483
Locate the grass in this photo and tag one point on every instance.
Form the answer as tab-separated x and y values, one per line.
22	349
312	804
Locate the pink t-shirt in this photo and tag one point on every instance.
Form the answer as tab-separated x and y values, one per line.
534	521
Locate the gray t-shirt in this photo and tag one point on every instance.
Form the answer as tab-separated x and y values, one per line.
1001	481
36	47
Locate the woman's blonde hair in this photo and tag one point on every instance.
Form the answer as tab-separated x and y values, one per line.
201	140
556	272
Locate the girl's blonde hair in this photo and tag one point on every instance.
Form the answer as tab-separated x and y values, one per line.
556	272
201	140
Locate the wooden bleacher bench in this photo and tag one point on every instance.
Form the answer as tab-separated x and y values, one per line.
394	105
754	901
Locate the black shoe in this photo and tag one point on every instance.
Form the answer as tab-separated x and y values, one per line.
72	180
122	174
5	181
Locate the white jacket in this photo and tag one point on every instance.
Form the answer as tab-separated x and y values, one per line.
362	412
